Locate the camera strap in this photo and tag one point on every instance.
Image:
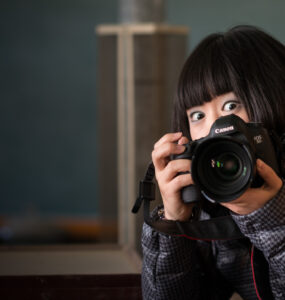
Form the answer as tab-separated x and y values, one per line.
218	228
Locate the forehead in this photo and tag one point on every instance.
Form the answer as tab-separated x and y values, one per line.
214	101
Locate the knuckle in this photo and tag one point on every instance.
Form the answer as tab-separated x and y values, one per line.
171	166
167	136
179	179
156	145
153	154
162	140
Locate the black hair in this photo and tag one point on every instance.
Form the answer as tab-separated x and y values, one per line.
244	60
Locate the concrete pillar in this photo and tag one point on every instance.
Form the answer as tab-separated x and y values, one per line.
137	75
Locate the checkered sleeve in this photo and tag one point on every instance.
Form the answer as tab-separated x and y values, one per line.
265	228
167	266
173	268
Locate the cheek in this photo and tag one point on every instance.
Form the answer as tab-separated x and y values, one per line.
198	132
243	115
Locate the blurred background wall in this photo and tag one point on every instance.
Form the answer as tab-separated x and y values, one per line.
48	101
206	16
48	51
48	112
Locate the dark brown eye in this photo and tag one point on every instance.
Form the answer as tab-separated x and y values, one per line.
196	116
231	105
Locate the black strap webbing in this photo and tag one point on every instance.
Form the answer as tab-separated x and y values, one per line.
220	228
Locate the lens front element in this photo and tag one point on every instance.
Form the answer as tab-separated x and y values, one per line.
222	168
227	165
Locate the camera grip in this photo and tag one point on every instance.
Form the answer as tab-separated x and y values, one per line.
190	194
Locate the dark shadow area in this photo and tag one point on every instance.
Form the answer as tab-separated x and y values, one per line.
82	287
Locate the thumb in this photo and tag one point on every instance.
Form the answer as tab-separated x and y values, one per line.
272	181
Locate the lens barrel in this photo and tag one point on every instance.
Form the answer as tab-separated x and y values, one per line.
222	168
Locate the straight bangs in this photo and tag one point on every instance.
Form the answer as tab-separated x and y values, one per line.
206	75
245	61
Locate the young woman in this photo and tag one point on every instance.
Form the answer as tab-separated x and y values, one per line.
239	72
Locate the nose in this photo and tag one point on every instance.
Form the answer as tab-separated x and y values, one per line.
212	117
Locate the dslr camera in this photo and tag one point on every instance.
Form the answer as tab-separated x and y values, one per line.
224	162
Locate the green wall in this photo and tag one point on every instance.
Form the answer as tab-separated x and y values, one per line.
48	105
208	16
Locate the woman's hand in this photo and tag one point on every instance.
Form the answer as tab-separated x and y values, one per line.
166	172
255	198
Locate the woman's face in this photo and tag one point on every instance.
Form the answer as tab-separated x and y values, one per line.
202	117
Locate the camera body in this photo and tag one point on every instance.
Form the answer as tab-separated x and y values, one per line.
224	162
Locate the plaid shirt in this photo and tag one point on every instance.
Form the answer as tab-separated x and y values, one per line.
179	268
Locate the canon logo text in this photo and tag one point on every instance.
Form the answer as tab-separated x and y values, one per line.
221	130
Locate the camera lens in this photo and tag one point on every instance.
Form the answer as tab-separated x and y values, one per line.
226	165
222	168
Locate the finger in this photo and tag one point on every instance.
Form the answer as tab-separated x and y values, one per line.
181	181
244	204
183	140
176	166
272	184
272	181
169	137
160	155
